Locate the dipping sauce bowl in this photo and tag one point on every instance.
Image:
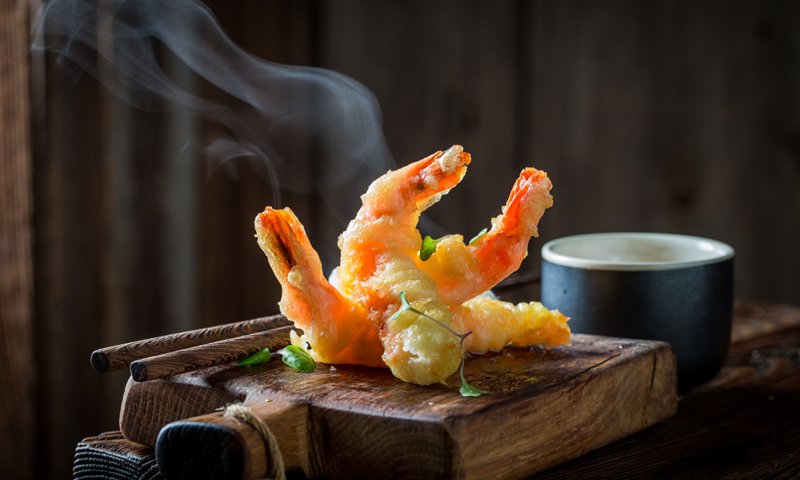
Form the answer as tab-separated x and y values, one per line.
673	288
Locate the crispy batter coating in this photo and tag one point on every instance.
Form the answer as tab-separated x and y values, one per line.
359	324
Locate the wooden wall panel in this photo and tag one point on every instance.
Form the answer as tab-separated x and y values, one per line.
236	282
17	368
106	225
133	239
658	116
444	73
655	116
70	241
676	117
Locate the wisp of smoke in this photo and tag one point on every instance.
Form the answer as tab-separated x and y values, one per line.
299	122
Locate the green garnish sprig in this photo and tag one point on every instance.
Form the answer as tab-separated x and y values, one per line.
293	356
428	248
466	389
429	245
406	307
261	356
297	358
480	235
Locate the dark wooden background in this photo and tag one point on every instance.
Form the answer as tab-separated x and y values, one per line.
668	116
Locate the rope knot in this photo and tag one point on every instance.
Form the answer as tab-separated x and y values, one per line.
241	413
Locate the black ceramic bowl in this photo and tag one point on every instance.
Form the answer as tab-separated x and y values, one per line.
673	288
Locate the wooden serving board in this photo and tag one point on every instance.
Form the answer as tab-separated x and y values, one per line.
544	408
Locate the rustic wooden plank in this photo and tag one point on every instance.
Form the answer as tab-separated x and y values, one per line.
181	203
364	422
18	373
743	424
758	326
69	253
152	168
101	254
754	319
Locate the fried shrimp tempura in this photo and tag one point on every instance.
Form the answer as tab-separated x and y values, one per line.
336	329
379	251
463	272
495	324
360	324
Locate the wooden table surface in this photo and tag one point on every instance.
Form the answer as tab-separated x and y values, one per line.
743	424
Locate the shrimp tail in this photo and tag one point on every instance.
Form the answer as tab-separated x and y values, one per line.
335	330
283	239
412	189
528	200
463	272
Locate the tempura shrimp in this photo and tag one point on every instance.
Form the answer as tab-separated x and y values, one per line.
379	249
495	324
463	272
361	325
336	329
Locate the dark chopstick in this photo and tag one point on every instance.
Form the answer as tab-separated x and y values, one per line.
208	355
150	359
118	357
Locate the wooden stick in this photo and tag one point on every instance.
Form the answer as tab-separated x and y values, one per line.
195	358
118	357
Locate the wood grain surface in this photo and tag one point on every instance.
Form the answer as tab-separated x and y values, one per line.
543	408
210	354
112	457
741	425
233	449
109	359
18	371
748	409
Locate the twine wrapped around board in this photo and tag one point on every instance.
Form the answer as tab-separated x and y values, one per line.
276	470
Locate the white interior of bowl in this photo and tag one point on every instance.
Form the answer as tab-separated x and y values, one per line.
635	251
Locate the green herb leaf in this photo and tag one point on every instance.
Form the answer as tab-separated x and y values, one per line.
466	389
298	358
404	302
478	236
406	307
255	359
428	247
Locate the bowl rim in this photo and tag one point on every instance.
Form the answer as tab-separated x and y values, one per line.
723	252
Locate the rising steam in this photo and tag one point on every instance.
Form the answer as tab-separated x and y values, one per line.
299	122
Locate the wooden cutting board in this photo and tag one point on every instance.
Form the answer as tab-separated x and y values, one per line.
544	408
